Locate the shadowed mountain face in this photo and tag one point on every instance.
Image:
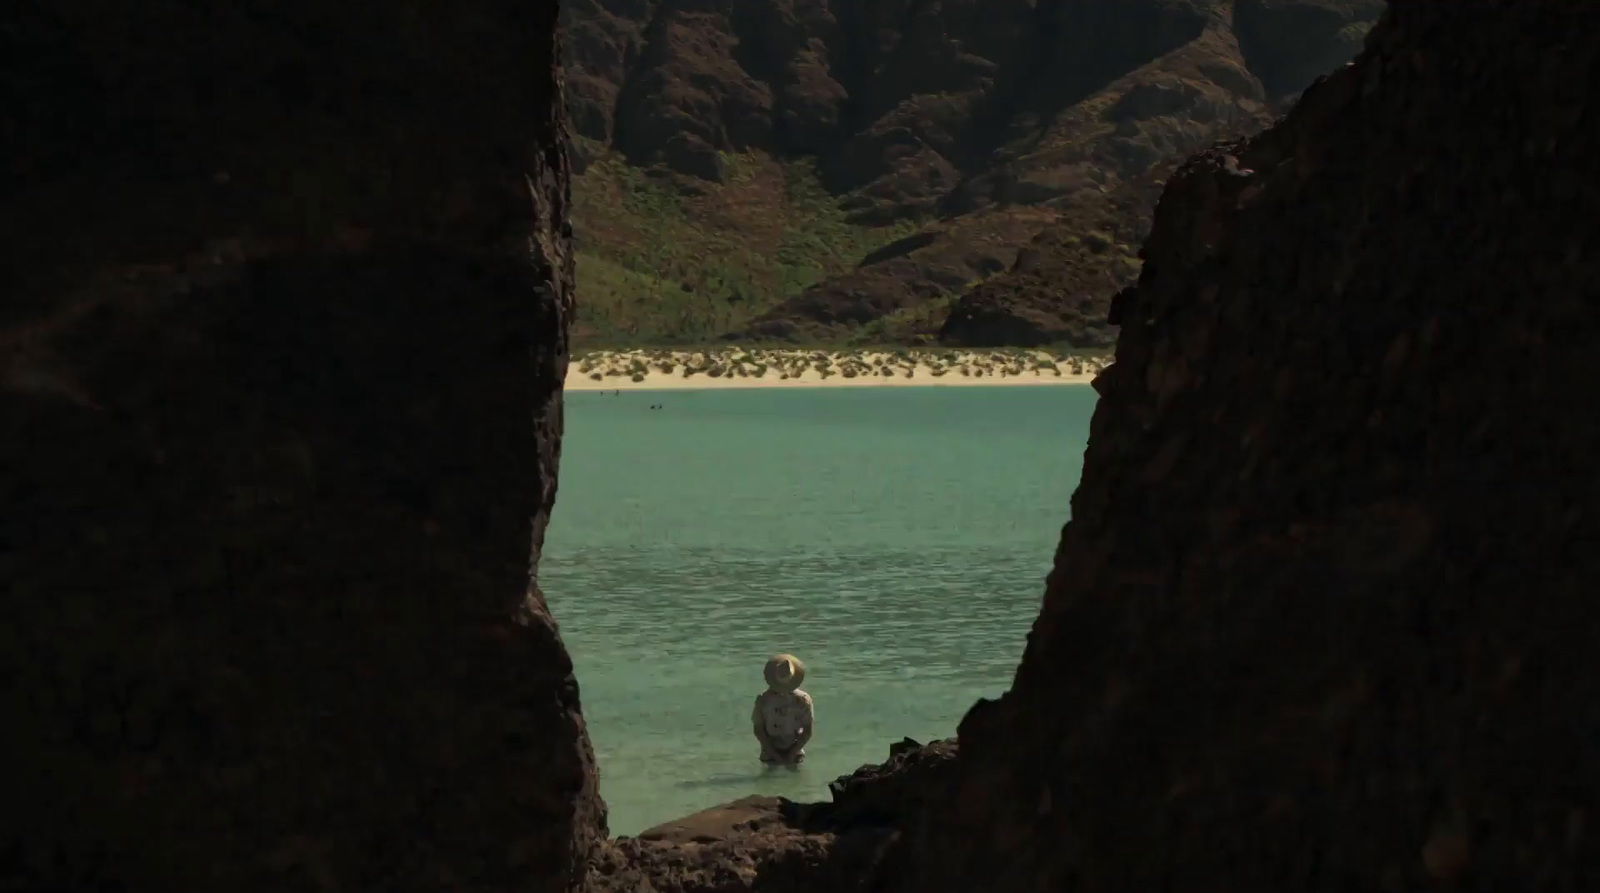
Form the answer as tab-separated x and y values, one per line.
285	323
804	135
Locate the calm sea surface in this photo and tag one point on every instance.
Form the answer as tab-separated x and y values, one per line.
895	539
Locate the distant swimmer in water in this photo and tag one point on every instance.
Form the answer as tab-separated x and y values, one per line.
783	717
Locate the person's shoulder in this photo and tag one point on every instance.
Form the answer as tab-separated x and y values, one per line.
802	697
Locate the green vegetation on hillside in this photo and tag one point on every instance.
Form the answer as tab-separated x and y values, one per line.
1032	156
662	261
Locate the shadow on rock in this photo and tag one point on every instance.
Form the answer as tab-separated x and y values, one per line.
775	845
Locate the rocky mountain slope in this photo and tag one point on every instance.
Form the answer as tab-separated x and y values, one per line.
815	170
281	350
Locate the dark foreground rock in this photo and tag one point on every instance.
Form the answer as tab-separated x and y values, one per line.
915	778
284	328
773	845
1324	616
758	843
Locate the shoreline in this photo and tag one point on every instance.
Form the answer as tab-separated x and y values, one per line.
740	368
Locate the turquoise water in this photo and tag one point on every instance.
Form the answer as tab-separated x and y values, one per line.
895	539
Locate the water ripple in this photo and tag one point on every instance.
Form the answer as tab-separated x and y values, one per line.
899	546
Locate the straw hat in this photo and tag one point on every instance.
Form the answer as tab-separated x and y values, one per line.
784	672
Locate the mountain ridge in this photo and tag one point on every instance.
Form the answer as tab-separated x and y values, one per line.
707	130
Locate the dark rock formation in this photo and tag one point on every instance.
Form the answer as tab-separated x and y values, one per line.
759	844
280	364
915	776
885	91
773	845
1323	617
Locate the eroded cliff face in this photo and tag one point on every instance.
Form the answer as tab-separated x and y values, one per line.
1323	617
285	325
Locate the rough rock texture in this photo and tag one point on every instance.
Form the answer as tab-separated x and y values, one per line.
1059	288
1080	103
280	356
1324	616
914	777
772	845
983	122
762	844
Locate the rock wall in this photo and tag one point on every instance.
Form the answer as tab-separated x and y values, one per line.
1323	617
285	324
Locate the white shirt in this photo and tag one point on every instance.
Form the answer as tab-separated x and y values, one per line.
784	715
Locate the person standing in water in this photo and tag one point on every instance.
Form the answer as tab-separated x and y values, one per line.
783	717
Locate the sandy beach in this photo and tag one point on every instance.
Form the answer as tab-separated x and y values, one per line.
734	367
